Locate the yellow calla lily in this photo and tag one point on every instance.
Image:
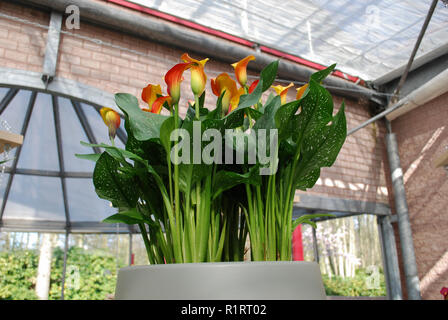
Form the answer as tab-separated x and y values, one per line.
241	69
282	91
198	76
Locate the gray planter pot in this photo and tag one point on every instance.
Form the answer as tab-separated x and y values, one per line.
285	280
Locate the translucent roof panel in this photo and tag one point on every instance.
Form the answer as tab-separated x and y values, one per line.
14	114
39	149
84	204
35	198
365	38
3	92
72	134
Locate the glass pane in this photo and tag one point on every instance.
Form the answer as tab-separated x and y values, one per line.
98	127
35	198
3	182
14	114
72	133
3	92
84	204
39	150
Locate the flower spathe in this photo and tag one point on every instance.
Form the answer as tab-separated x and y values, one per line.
158	104
173	78
150	93
112	120
235	100
282	91
301	91
241	69
198	76
222	83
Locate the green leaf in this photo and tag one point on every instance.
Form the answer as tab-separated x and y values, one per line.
236	117
165	132
307	218
268	74
319	76
267	121
216	113
283	117
144	125
92	157
248	100
117	153
316	112
112	185
224	180
132	216
320	149
151	150
254	114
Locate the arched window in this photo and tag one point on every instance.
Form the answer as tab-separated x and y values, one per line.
43	186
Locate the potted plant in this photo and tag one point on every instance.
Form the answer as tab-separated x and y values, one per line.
200	187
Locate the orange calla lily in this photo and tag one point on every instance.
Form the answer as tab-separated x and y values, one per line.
235	100
241	69
173	78
301	91
112	120
282	91
150	93
158	104
198	76
222	83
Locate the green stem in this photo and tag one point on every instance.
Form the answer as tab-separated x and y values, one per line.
146	241
176	190
196	106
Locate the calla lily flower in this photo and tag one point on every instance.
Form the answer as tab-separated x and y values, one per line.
173	78
241	69
150	93
282	91
222	83
198	76
253	86
158	104
112	120
235	100
301	91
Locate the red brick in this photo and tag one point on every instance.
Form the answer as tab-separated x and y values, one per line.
78	70
90	63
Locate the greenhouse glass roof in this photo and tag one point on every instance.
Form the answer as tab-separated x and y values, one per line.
44	181
365	38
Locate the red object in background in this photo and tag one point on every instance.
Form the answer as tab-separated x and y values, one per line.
132	259
297	244
444	293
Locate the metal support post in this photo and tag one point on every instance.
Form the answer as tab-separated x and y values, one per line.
390	258
404	224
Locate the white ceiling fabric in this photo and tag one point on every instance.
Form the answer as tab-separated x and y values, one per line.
366	38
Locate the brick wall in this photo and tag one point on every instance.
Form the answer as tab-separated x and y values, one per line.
420	143
124	63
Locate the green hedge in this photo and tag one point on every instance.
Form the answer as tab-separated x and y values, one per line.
97	275
353	287
18	275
